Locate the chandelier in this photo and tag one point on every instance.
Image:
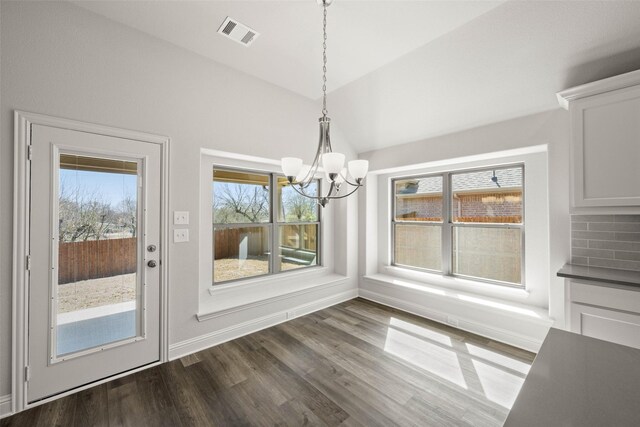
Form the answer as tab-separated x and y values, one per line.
301	176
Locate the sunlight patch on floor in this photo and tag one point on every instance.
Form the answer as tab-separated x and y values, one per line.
499	386
492	374
425	355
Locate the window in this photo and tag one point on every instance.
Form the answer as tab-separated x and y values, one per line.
258	230
465	223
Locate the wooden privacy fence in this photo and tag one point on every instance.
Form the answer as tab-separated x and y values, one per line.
227	241
93	259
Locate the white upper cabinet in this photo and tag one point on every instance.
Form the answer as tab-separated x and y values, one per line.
605	133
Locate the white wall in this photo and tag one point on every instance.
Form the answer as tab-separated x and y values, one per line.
64	61
547	185
506	63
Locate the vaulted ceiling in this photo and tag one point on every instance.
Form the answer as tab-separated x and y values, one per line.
401	71
362	35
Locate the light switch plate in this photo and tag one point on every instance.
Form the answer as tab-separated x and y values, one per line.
181	218
180	235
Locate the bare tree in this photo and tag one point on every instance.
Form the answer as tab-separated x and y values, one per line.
298	208
128	215
240	203
83	215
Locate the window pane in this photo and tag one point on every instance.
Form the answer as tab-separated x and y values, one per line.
418	246
97	290
488	253
240	197
296	208
493	196
240	252
419	199
298	246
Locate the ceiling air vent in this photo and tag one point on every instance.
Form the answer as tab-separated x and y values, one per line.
238	32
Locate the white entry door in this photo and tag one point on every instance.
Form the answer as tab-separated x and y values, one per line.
94	276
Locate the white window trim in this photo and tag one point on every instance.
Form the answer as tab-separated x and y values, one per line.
447	226
273	225
377	251
229	294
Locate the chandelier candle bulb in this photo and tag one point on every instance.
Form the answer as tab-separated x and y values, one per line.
291	166
333	163
358	168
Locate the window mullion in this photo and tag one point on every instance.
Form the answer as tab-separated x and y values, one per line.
446	224
275	231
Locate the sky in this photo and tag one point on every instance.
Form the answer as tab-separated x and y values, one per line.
112	187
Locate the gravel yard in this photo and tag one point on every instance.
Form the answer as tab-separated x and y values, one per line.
96	292
227	268
117	289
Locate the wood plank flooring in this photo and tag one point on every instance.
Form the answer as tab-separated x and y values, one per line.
354	364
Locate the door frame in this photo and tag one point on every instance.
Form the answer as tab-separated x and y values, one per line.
20	301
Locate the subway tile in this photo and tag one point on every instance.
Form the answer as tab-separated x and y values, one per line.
627	218
580	243
596	235
633	227
626	237
630	256
614	263
596	253
610	244
627	226
582	226
580	260
602	226
593	218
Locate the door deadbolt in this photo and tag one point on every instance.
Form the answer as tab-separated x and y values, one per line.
151	248
152	263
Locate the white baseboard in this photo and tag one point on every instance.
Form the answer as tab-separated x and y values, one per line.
527	342
5	406
202	342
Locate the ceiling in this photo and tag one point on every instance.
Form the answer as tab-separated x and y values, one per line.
402	71
362	35
507	63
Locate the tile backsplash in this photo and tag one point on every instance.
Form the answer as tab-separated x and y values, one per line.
611	241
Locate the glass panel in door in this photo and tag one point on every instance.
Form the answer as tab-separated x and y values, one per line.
97	291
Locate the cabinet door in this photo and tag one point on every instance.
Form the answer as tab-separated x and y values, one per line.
606	149
609	325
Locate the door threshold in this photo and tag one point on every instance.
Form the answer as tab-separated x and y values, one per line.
69	392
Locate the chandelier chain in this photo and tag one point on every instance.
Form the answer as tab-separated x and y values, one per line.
324	60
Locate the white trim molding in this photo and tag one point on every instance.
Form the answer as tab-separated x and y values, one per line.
231	305
515	324
610	84
20	314
5	406
220	336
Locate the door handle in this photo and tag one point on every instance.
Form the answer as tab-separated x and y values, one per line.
152	263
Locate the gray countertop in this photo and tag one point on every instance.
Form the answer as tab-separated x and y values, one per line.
580	381
600	274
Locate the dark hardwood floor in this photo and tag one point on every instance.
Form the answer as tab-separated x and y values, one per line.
354	364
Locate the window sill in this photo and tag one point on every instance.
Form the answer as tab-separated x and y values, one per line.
510	308
242	295
459	283
216	290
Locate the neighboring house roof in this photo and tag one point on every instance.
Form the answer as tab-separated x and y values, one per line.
469	181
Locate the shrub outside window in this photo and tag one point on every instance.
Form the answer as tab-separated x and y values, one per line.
258	230
463	223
